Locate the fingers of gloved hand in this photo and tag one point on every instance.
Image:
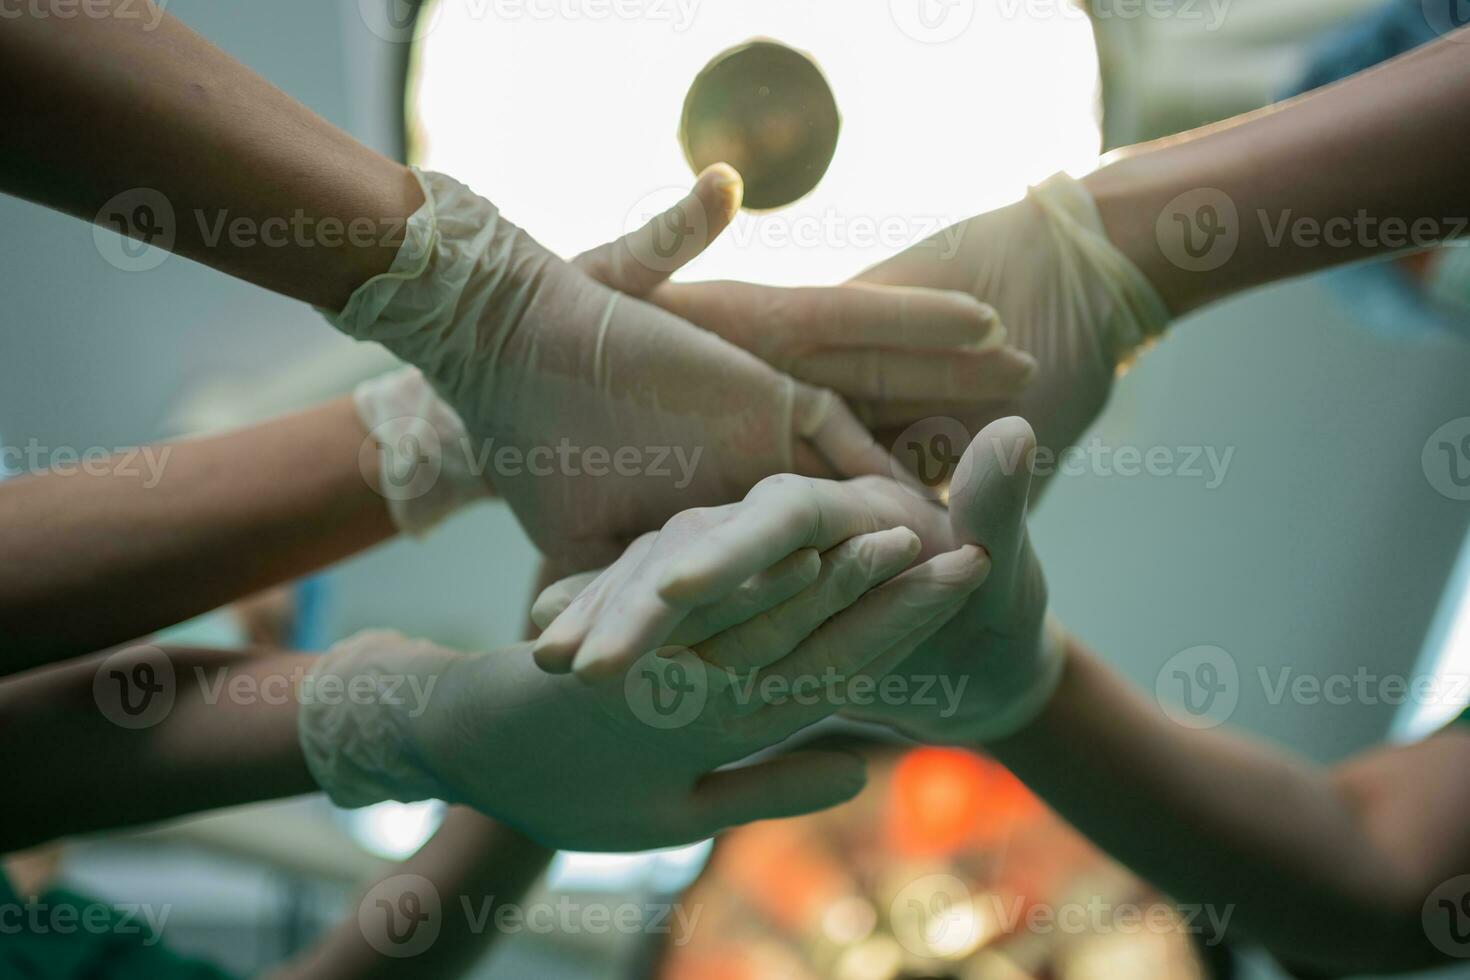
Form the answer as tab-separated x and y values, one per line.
780	514
844	443
559	642
787	786
916	375
892	317
556	597
889	417
848	571
811	678
789	577
989	494
639	261
879	709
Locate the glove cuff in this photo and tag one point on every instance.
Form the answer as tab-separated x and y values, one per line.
1139	312
425	466
454	238
355	710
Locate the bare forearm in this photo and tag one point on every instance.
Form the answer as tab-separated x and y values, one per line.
474	868
105	748
100	106
121	551
1370	166
1216	819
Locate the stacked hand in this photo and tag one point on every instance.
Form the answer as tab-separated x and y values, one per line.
580	396
1047	276
633	758
995	644
1001	651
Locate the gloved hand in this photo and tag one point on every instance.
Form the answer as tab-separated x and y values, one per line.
896	353
1064	292
597	415
700	558
1002	651
630	761
430	465
997	648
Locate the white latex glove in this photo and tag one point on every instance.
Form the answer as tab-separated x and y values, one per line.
422	466
699	559
1002	644
997	648
1065	294
894	352
541	361
897	354
634	761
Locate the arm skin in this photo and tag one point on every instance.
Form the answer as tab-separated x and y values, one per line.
1329	868
470	860
103	105
112	557
1392	142
211	751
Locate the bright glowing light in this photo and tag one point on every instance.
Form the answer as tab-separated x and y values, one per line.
570	123
1446	657
395	830
669	870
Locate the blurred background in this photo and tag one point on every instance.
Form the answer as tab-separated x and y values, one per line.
1322	547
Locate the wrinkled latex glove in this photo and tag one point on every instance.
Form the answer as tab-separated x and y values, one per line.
596	416
700	558
635	760
896	353
1065	293
417	455
1001	651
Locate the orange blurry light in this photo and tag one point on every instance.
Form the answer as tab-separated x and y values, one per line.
946	799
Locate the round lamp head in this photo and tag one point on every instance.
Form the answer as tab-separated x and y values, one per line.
766	110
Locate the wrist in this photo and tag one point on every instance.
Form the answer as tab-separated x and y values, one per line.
1167	209
418	457
358	718
1129	311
